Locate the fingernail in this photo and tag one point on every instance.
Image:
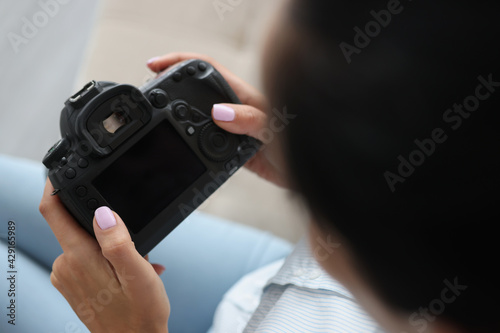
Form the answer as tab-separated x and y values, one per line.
105	218
150	61
223	113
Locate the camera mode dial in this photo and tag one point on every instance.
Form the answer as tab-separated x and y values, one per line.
56	153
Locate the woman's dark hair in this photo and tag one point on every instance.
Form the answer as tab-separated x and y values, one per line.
395	143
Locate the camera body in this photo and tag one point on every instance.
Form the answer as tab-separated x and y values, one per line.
152	154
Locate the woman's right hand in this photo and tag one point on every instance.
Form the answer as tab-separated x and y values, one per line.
249	118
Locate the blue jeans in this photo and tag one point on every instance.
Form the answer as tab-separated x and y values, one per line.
204	257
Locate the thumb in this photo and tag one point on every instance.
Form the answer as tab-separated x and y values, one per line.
117	246
240	119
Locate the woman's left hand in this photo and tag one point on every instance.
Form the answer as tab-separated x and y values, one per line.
109	285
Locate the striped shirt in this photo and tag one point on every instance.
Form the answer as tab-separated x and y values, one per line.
292	295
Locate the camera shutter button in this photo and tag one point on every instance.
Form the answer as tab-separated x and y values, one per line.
158	98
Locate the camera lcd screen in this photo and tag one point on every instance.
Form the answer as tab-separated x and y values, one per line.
149	176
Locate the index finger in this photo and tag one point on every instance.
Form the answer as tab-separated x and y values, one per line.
67	231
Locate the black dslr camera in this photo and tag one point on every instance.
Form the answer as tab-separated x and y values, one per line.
152	154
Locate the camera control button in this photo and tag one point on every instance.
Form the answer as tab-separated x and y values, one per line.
83	163
85	148
191	70
202	66
70	173
217	144
232	165
158	98
190	130
218	140
181	112
197	117
177	76
81	191
92	204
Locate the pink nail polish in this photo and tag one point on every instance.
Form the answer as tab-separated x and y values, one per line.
150	61
105	218
223	113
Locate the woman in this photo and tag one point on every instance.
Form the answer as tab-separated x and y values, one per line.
391	146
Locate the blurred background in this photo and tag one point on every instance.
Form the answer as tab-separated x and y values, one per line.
50	48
